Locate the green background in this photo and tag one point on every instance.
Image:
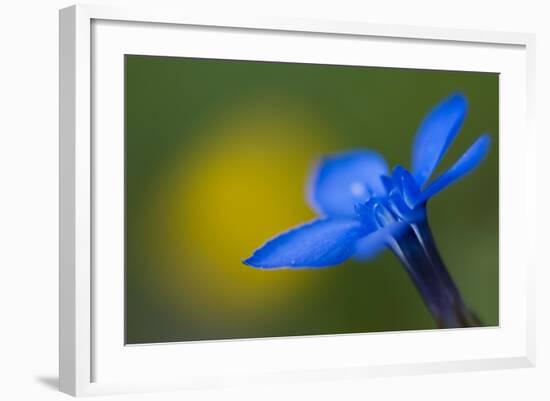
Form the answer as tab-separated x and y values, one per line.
218	153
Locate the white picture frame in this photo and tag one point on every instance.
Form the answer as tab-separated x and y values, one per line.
93	357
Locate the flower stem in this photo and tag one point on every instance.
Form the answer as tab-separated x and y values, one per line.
418	253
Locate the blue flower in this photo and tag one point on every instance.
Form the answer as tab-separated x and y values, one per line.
364	209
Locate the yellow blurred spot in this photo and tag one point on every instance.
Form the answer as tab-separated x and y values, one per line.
245	183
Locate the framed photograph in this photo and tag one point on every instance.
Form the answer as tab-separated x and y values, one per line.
272	200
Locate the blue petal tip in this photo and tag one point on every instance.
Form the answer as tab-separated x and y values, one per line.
250	262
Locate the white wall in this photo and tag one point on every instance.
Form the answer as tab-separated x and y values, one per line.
29	184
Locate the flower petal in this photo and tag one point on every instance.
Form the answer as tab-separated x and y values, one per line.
467	162
341	181
369	246
435	135
323	242
406	185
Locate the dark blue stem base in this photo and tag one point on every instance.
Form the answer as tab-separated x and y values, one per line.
418	253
